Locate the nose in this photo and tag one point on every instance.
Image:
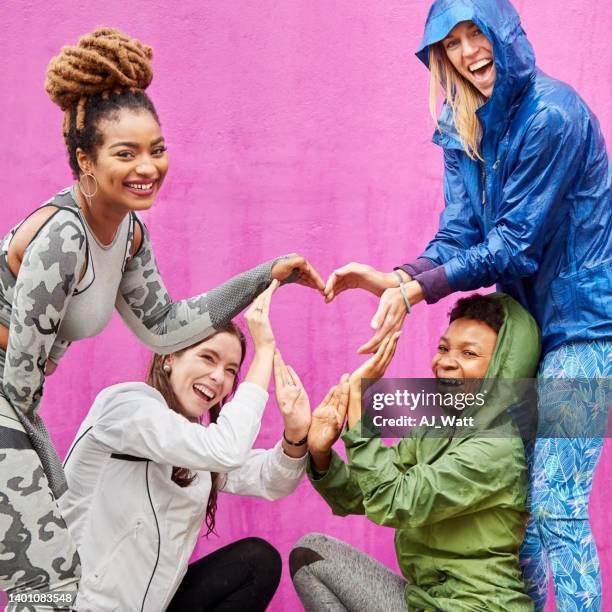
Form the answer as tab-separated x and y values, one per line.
146	167
447	362
217	375
468	47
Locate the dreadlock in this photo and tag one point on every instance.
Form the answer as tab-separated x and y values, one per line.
105	72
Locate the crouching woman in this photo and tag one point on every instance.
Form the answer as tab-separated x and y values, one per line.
143	475
457	502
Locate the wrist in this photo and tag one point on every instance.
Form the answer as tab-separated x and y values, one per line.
320	459
265	350
292	439
295	434
405	276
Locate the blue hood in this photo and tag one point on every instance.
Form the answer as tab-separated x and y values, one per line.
500	23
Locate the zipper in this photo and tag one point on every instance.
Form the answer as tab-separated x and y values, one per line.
484	185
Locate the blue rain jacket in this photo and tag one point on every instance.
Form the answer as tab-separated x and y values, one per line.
535	216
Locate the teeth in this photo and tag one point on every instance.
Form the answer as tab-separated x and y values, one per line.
204	390
480	64
452	382
141	186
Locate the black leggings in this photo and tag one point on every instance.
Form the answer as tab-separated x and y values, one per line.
240	576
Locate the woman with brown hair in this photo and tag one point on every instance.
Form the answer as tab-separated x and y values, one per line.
68	264
143	474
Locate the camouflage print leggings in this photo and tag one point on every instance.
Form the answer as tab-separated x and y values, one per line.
38	559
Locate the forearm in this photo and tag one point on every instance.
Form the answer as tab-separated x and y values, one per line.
337	486
166	326
260	368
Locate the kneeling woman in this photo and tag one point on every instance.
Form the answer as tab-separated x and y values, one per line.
143	475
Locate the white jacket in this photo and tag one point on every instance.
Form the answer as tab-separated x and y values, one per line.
134	528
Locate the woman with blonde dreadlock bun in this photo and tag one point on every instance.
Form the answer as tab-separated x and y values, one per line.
65	267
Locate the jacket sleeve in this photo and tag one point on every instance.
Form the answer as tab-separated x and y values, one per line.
458	228
134	419
165	326
49	272
528	212
337	486
266	473
463	480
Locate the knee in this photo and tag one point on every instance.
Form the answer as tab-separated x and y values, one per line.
305	552
264	556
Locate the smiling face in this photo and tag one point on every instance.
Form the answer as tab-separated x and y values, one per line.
464	351
203	375
471	54
131	161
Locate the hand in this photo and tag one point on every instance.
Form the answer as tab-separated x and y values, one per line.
258	319
292	400
390	314
50	367
306	274
376	366
359	276
328	419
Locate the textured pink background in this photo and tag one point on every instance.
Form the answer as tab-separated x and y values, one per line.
292	126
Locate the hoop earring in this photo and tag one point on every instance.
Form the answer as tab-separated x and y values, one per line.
167	369
88	195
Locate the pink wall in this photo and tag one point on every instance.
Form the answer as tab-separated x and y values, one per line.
292	126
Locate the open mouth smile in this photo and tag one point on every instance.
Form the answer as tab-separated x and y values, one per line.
204	392
481	70
142	189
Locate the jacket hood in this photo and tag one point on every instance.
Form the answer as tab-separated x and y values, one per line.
507	380
501	24
516	357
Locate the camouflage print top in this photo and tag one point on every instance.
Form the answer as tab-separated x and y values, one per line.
34	304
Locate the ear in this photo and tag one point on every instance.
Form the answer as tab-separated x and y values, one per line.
84	162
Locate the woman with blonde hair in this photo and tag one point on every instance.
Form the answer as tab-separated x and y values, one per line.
528	206
64	269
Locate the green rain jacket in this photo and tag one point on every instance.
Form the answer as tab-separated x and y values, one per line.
458	504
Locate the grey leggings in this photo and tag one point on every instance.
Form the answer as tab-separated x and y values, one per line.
330	575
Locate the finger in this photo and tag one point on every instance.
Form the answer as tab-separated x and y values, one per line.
373	343
381	313
278	361
313	276
295	379
284	375
329	285
327	399
257	303
391	323
343	399
389	350
267	298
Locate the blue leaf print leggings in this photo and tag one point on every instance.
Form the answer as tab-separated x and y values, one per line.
561	477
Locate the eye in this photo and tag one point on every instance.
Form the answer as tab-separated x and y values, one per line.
125	154
207	357
232	371
442	349
470	354
452	43
477	32
159	151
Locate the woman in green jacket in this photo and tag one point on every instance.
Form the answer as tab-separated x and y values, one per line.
457	503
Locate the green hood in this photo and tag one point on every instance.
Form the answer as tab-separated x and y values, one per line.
516	357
